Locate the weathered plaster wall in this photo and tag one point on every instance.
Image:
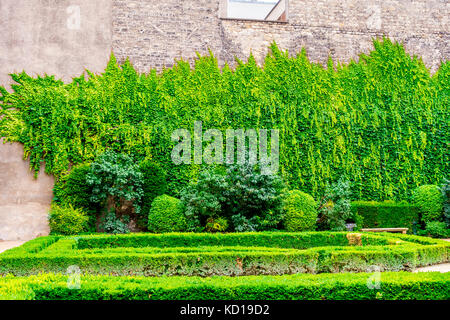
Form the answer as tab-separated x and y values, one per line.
24	200
60	37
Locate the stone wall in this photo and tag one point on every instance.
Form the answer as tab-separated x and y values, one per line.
63	37
153	33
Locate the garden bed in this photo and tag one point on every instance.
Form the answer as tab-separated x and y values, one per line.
238	254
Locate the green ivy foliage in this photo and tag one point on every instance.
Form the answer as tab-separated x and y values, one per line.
381	122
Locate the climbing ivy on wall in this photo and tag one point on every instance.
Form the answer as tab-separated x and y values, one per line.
381	122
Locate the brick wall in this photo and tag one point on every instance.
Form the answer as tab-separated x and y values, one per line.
153	33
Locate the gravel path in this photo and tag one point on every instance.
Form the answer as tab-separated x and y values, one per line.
5	245
443	267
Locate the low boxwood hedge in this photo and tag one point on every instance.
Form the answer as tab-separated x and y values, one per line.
224	254
362	286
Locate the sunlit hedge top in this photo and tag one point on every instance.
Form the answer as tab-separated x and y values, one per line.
381	122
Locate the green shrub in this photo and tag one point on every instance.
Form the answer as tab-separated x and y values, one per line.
67	220
300	211
154	183
116	178
437	229
166	215
216	224
254	196
301	240
204	199
250	200
111	223
385	214
73	189
445	189
428	200
335	206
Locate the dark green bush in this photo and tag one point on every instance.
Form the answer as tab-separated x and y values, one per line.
385	214
445	189
73	189
300	211
428	199
67	220
112	223
116	178
166	215
335	206
437	229
250	200
253	196
154	183
204	199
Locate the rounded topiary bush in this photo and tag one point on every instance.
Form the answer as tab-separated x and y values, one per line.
300	211
166	215
67	220
428	199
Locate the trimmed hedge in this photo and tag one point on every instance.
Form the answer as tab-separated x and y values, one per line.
392	286
226	254
301	240
386	214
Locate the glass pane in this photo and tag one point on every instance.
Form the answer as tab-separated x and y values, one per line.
257	9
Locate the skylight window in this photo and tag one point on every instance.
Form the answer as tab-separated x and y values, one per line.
265	10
